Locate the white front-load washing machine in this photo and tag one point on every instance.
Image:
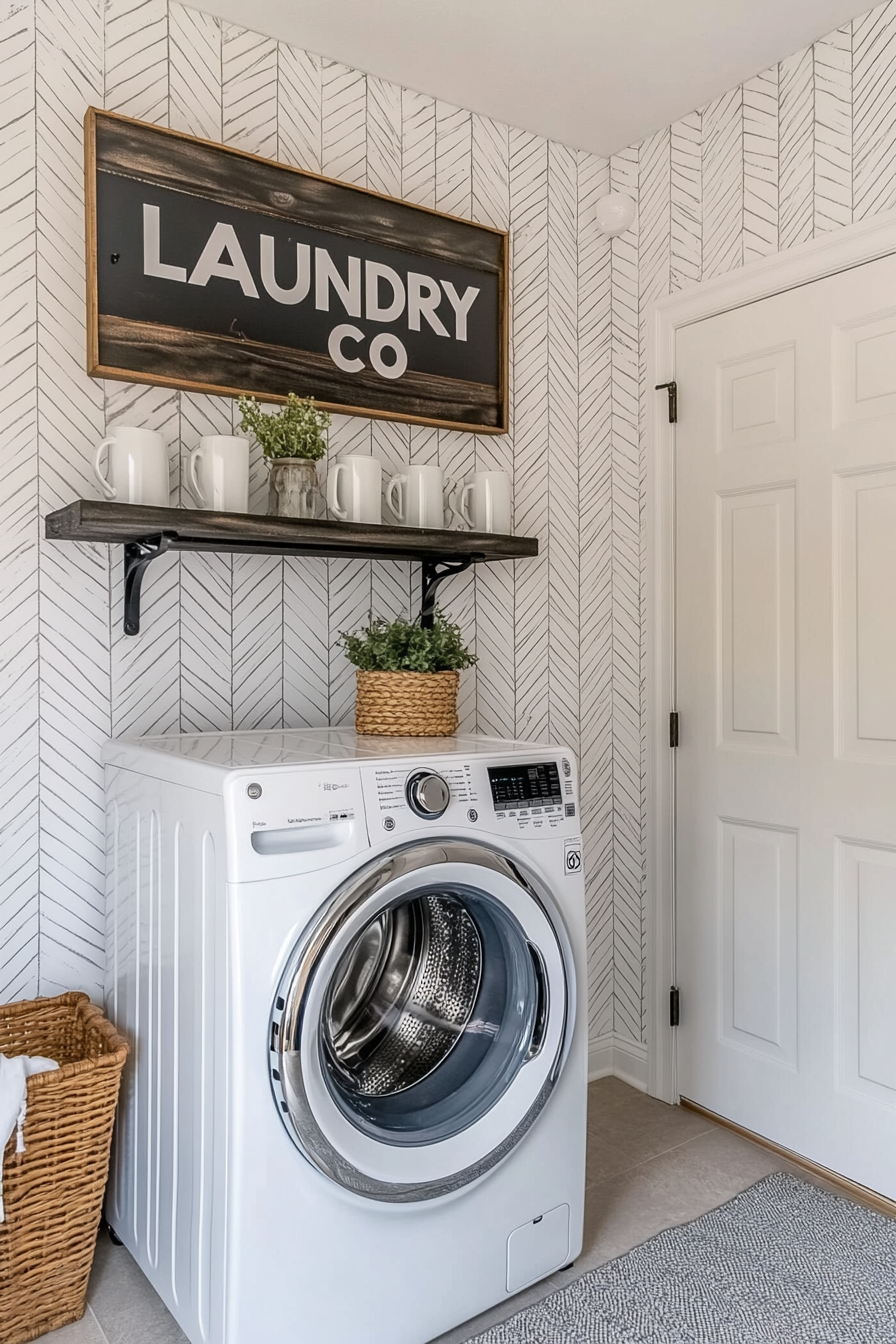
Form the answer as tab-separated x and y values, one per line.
353	974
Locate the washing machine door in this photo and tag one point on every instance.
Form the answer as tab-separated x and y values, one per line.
422	1022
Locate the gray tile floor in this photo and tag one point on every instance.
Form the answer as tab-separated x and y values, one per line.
650	1166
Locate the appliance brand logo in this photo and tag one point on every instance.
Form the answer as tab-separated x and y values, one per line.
331	788
572	856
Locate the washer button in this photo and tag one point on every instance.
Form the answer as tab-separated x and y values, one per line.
388	823
254	790
472	815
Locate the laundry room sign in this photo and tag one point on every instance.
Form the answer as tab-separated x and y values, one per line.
215	270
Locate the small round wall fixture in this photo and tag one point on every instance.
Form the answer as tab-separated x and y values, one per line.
614	214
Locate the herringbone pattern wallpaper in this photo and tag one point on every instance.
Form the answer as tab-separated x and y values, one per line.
247	641
252	641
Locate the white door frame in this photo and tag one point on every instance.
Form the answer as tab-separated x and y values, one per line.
838	251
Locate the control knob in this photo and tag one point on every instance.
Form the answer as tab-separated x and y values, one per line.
427	793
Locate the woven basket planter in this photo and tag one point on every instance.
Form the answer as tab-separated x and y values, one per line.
53	1192
407	704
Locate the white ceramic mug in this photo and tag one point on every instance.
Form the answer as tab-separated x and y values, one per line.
218	473
137	466
354	489
416	497
483	503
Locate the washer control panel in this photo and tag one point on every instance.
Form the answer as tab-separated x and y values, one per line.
534	795
522	788
398	796
521	795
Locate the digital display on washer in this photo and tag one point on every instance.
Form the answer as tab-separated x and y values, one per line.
522	785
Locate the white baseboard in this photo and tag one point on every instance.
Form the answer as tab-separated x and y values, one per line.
630	1062
600	1057
616	1057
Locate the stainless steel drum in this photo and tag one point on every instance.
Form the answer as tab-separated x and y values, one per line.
402	995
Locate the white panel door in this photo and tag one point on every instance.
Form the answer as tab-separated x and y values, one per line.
786	688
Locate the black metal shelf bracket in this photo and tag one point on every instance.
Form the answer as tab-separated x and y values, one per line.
434	572
137	555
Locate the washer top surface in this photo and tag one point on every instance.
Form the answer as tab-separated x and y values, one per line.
307	746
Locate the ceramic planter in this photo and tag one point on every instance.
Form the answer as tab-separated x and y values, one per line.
294	490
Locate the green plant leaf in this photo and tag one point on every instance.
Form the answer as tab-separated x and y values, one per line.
404	646
297	430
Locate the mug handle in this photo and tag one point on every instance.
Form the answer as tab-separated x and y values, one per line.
464	511
453	494
333	491
394	488
193	485
108	490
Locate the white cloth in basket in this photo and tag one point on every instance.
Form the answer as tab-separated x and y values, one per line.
14	1075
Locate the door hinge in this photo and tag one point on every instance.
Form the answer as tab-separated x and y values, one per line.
672	389
674	1007
673	728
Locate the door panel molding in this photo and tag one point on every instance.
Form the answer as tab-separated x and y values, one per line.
758	889
866	905
756	541
756	399
851	246
864	368
864	557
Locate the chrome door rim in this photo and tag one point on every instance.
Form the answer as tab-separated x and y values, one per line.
286	1069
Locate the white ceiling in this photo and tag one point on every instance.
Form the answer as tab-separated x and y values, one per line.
597	75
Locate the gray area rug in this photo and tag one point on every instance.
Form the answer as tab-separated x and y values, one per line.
783	1263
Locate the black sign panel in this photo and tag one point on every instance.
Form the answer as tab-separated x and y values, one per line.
522	785
218	271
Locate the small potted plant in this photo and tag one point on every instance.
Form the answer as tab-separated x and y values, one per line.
407	676
292	440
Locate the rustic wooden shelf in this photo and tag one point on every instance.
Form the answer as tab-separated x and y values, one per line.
147	532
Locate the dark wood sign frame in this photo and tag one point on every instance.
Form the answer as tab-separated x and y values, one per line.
124	155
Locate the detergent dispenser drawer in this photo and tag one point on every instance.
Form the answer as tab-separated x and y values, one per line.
537	1248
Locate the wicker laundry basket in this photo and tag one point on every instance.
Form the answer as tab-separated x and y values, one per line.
53	1192
407	704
